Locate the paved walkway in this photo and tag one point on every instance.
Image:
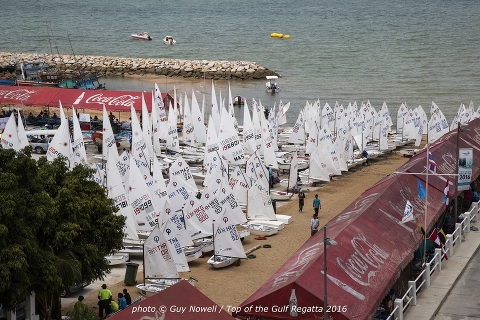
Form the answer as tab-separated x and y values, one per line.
431	300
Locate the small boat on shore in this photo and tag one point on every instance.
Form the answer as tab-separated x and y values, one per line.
169	40
280	195
118	258
141	36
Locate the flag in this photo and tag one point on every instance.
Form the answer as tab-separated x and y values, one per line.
432	165
438	244
421	229
446	193
408	212
421	190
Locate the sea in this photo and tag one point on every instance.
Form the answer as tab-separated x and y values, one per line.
345	51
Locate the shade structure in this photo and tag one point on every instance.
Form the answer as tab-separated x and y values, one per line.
81	99
181	301
374	246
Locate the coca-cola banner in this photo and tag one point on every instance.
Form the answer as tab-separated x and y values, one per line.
80	99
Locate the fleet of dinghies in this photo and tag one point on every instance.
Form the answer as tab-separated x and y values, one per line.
170	221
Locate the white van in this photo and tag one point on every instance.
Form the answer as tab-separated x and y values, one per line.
40	139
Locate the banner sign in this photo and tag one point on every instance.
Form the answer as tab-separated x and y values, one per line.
465	161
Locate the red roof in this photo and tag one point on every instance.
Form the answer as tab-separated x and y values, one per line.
180	297
80	99
374	246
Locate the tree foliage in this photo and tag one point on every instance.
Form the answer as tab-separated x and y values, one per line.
56	227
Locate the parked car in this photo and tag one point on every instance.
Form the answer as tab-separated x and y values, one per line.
20	312
72	289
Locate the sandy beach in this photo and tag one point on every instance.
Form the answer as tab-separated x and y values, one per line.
232	285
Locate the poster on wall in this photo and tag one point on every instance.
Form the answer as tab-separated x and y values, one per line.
84	117
465	161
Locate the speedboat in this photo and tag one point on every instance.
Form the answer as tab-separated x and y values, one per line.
141	36
238	101
272	86
169	40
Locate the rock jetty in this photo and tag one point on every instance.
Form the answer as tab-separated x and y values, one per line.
117	66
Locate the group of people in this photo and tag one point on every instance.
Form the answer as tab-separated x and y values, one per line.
107	304
317	205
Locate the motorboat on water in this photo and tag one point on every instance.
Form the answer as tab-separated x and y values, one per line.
169	40
238	101
271	85
141	36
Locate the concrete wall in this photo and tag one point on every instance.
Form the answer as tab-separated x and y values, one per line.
117	66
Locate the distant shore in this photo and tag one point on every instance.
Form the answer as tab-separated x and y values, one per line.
119	66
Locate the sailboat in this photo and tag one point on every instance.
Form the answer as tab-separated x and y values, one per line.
227	245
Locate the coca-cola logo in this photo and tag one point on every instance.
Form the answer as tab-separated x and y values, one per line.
125	100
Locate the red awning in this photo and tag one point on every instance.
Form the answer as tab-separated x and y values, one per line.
180	301
374	246
80	99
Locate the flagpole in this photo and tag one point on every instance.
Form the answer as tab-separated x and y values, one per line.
426	207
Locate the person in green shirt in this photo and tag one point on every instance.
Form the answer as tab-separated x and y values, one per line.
104	297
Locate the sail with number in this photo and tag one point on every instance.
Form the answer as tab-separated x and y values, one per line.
227	241
158	261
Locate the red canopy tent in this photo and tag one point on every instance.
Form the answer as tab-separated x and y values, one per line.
170	302
374	246
120	101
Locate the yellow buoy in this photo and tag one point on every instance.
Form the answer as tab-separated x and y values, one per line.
273	35
287	36
280	35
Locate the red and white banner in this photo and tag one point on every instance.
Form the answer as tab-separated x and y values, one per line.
80	99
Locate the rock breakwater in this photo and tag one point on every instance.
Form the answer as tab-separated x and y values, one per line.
117	66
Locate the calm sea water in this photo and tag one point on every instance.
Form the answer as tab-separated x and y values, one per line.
413	51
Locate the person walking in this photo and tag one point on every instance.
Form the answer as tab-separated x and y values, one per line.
317	205
314	223
301	200
104	297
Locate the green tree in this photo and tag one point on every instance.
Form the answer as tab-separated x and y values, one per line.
56	227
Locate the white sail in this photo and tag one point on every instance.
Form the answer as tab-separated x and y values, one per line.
198	121
257	126
62	113
256	170
180	170
109	143
173	237
215	109
312	140
10	135
22	136
60	146
226	239
249	144
175	217
231	147
147	127
158	189
162	115
268	146
328	117
79	153
318	167
140	199
401	113
214	170
298	131
239	184
212	148
116	192
292	178
158	262
437	126
259	203
188	130
230	204
197	219
282	113
139	152
123	166
172	137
